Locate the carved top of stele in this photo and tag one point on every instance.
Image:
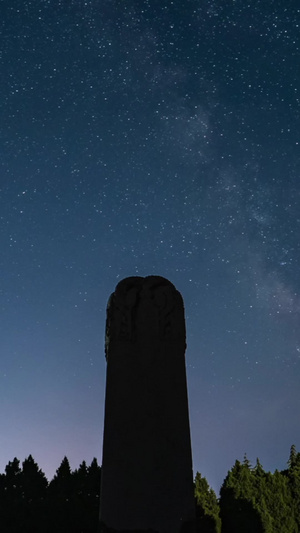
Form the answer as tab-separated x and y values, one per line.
147	308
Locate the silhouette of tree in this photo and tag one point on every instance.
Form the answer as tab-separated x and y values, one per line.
62	478
12	508
94	480
73	498
79	496
60	493
80	478
33	481
33	493
86	491
93	488
13	478
2	499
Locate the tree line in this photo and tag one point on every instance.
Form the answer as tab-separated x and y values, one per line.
251	500
68	504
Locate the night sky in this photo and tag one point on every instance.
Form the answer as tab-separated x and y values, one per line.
150	137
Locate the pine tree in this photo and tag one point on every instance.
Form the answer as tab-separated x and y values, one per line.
64	470
258	469
246	461
237	501
293	476
293	457
207	507
279	503
93	488
253	500
259	488
33	486
94	479
33	481
12	505
74	498
79	502
60	500
80	478
62	481
13	479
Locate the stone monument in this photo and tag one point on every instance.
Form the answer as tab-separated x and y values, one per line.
147	479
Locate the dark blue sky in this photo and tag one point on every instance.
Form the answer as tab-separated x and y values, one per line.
148	137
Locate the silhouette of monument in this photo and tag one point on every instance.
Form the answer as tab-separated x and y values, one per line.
147	480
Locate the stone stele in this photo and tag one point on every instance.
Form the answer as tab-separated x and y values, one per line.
147	479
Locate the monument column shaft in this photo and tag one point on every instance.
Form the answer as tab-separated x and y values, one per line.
147	481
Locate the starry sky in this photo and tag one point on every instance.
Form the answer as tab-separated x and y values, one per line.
144	137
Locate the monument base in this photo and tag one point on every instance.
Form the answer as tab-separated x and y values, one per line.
188	527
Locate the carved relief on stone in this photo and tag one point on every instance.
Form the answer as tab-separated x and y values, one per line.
163	297
138	299
120	311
